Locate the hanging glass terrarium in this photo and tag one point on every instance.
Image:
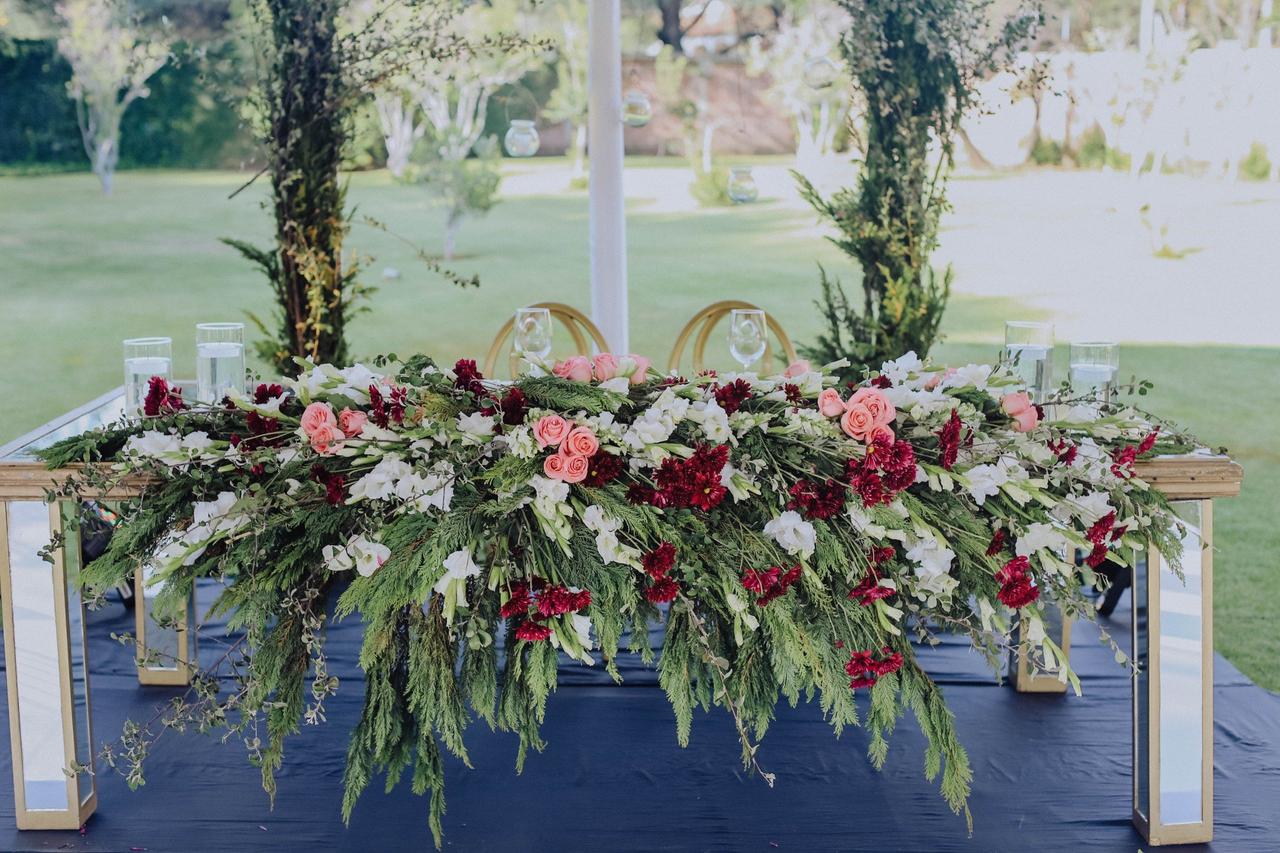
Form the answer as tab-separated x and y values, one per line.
522	138
742	187
637	111
820	72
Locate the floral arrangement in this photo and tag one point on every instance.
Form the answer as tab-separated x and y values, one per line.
794	536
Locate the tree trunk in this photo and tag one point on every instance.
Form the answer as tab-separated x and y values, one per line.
670	32
452	223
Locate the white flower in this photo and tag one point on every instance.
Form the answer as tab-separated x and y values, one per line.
205	512
337	558
356	380
713	420
1083	413
977	375
1038	536
196	442
457	566
544	488
739	483
793	534
597	522
433	491
985	481
1090	507
380	483
896	371
153	443
582	627
369	555
618	385
613	551
930	558
476	427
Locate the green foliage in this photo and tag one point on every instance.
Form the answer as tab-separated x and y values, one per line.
1093	149
1256	166
711	189
1046	152
915	64
465	188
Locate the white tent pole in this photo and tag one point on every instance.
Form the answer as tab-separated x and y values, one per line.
607	214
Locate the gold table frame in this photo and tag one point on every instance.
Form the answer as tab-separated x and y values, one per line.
1191	480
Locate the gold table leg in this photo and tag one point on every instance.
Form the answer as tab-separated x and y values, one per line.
1173	691
1025	676
46	670
166	652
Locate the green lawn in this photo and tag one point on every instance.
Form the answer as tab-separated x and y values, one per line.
79	272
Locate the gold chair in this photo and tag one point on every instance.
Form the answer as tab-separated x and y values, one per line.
705	321
581	329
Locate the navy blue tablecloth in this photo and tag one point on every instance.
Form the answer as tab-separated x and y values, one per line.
1050	773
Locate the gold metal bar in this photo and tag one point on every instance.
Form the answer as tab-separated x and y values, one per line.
1021	671
174	665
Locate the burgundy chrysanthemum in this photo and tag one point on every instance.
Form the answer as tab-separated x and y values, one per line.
888	469
603	468
687	483
468	376
793	393
518	602
818	500
732	396
864	669
997	542
334	484
514	407
662	590
949	440
162	398
1016	589
532	632
659	561
770	583
881	382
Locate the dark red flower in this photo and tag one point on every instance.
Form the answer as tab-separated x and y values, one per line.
659	561
265	393
1064	450
732	396
864	669
1016	589
949	440
881	382
532	632
519	601
891	663
690	483
869	590
162	399
467	377
334	484
1123	459
997	542
1148	442
662	590
771	583
1101	528
818	500
888	468
602	468
794	395
378	412
514	407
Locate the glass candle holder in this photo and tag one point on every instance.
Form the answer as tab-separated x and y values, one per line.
742	187
522	138
219	360
1028	347
144	358
1094	365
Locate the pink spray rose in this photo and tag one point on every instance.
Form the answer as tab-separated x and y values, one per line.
881	432
550	430
857	421
797	368
830	404
553	466
1019	407
605	366
575	467
325	438
576	369
351	421
315	416
877	403
642	369
580	442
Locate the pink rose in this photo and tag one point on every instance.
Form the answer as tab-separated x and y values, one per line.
642	369
797	368
857	421
550	430
830	404
576	369
553	467
605	366
880	432
315	416
1026	420
936	378
351	421
1015	404
325	438
580	442
877	403
575	467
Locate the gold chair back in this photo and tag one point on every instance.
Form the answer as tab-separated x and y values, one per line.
581	329
705	321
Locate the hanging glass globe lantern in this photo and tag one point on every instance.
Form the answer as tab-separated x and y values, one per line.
636	109
522	138
820	72
742	186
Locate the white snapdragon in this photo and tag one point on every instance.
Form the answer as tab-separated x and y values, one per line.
606	529
476	428
793	534
154	444
380	483
551	508
712	419
930	557
657	422
985	481
976	375
429	491
898	370
520	442
363	554
458	566
1040	536
740	484
1089	508
618	385
196	443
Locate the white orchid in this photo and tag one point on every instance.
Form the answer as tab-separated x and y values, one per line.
793	534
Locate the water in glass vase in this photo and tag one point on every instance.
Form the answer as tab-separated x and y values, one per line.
219	369
1030	362
137	373
1090	378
